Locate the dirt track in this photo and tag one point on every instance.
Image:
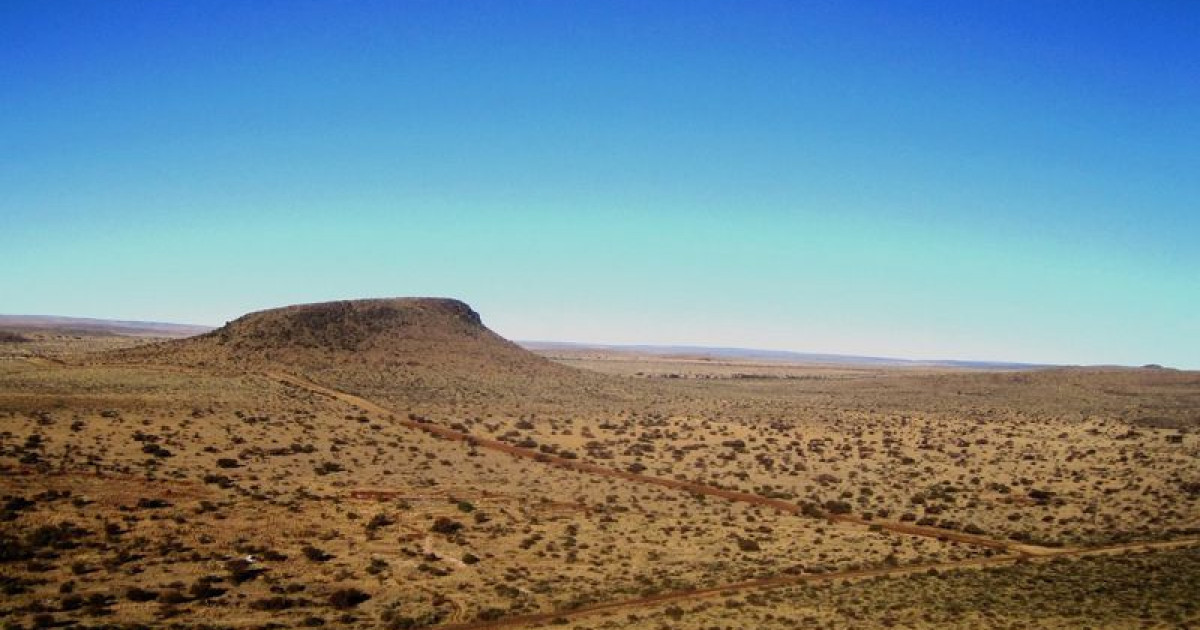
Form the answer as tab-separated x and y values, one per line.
675	484
42	361
1009	552
1012	552
789	580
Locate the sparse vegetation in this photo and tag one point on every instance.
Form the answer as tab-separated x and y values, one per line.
188	484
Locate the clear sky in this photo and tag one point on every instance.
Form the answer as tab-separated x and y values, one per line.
1008	180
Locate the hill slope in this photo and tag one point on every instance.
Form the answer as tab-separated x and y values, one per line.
405	349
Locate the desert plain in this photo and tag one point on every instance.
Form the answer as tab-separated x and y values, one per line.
396	464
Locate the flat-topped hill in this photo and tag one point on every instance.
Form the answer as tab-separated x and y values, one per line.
358	326
412	348
423	330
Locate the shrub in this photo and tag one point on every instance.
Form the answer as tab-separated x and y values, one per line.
838	507
204	589
156	450
61	536
242	570
347	598
12	549
97	603
811	510
1041	496
136	594
315	554
220	481
324	468
276	603
172	596
379	521
12	505
446	526
748	545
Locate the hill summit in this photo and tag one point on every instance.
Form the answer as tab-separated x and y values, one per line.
356	326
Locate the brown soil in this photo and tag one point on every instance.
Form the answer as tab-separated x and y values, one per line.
399	449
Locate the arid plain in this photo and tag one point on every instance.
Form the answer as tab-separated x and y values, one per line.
394	463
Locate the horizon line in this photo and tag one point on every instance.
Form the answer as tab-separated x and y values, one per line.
695	346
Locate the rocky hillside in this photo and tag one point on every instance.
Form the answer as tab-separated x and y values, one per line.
409	350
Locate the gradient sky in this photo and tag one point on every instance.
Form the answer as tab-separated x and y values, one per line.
976	180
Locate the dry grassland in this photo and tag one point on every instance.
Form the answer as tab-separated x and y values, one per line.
325	490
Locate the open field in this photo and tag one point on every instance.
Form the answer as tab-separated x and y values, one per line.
1027	456
397	465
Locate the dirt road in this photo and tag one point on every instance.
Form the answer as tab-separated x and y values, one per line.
1012	552
1005	546
790	580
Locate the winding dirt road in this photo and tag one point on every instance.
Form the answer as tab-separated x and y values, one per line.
781	505
791	580
1012	552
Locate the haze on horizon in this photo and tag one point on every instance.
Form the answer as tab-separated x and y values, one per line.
925	180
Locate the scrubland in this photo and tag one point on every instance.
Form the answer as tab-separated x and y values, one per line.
333	475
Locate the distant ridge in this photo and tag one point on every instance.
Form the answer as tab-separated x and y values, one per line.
783	356
92	326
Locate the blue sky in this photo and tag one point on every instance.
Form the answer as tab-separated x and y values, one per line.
977	180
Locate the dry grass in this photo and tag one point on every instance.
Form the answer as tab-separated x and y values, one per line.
1111	592
132	489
